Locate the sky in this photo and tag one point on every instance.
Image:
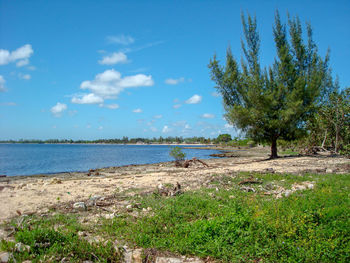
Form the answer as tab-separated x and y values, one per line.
108	69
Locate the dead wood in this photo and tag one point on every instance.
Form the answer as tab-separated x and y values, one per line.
249	181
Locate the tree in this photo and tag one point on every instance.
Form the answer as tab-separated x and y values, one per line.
224	138
276	101
330	127
177	154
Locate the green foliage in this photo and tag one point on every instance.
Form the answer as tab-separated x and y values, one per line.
274	102
50	245
223	138
308	226
177	154
330	127
227	225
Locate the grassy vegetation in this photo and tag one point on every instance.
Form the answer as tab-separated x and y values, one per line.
221	222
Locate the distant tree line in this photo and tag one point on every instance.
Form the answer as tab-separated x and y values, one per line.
123	140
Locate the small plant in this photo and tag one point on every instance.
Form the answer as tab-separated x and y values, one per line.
177	154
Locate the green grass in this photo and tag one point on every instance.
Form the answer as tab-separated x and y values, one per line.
227	225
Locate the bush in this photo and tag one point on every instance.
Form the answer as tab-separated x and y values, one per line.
177	154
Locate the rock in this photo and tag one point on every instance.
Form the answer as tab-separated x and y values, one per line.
247	189
27	261
129	208
81	206
168	260
269	186
20	247
287	193
270	170
328	170
5	257
137	256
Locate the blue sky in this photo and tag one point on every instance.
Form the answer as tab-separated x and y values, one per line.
107	69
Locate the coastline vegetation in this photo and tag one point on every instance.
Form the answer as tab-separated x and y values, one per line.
218	222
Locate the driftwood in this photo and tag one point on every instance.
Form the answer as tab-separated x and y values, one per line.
187	163
250	180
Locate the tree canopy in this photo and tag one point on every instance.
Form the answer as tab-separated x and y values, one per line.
274	102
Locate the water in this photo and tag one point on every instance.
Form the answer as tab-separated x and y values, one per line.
28	159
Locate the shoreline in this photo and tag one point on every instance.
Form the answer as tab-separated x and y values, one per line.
40	193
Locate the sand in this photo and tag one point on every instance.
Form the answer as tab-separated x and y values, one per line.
36	194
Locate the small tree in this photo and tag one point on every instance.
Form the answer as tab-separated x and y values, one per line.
274	102
177	154
225	138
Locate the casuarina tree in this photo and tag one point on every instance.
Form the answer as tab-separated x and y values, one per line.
273	102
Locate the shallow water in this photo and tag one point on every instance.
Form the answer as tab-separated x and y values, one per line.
28	159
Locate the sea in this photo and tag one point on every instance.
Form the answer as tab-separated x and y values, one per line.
30	159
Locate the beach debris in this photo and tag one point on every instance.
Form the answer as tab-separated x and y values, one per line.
81	206
191	162
270	170
247	189
250	180
166	191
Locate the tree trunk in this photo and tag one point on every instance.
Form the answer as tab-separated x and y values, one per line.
273	149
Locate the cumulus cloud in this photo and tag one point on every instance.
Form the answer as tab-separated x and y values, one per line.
58	109
111	106
174	81
114	58
166	129
20	55
90	98
176	106
24	76
120	39
137	110
110	83
208	116
195	99
2	84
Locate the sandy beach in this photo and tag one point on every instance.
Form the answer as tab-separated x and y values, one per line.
37	194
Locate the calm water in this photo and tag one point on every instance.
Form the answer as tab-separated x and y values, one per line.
27	159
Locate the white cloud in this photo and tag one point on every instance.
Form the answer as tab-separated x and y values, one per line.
121	39
174	81
8	104
2	84
58	109
90	98
154	129
22	62
100	128
176	106
137	110
114	58
24	76
32	68
158	116
110	83
21	55
112	106
208	116
228	126
166	129
195	99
